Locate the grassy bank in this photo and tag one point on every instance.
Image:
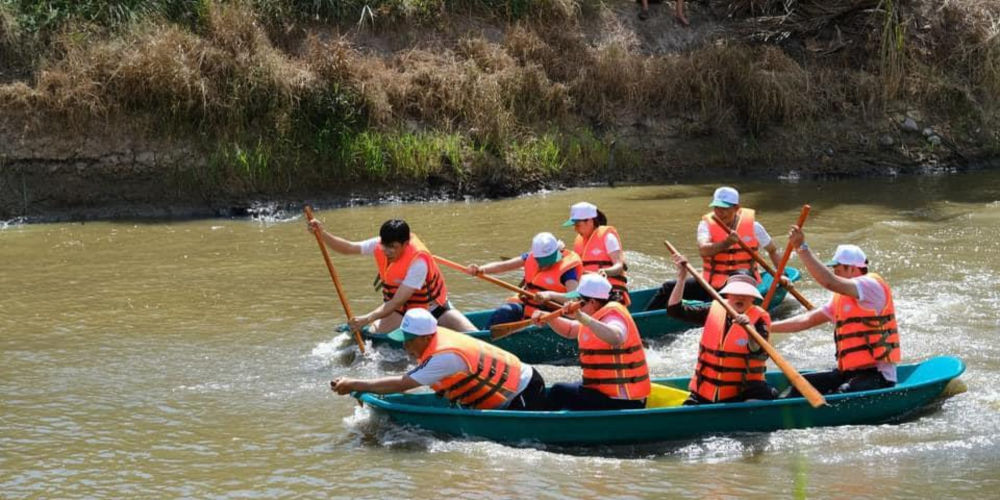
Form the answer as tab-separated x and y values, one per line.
494	96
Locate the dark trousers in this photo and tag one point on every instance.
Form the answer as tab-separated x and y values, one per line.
692	291
533	397
836	381
511	311
566	396
752	390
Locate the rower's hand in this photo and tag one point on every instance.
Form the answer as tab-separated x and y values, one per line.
572	310
796	237
603	273
474	270
733	238
313	225
343	385
681	262
536	318
784	281
358	322
544	296
742	319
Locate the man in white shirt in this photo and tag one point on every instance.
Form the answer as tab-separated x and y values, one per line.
863	312
460	368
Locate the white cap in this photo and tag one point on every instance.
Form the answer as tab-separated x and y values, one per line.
581	211
416	323
849	255
725	197
544	245
741	284
592	286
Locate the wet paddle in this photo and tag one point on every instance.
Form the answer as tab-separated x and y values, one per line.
336	279
794	377
485	277
767	267
502	330
784	260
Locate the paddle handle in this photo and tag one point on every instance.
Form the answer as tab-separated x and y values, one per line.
502	330
485	277
767	267
794	377
784	259
336	279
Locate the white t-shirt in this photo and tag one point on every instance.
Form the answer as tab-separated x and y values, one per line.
415	275
763	239
445	364
616	322
870	296
611	243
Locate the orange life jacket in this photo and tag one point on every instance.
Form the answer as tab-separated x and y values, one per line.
547	280
490	379
719	267
392	275
865	336
595	257
725	362
619	372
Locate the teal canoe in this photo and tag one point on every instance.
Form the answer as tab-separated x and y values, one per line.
920	385
541	345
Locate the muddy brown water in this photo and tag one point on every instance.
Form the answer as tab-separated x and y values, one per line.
191	359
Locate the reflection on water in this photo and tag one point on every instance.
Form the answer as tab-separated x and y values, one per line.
192	358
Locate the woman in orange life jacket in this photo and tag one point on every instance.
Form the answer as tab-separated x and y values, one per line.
864	317
730	365
615	374
600	248
550	271
466	371
410	277
721	254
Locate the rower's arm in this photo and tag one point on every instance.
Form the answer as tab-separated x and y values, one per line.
610	334
403	293
565	327
336	243
772	251
824	276
502	266
800	322
384	385
616	269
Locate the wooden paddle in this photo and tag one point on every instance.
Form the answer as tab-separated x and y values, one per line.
767	267
502	330
794	377
491	279
784	260
336	279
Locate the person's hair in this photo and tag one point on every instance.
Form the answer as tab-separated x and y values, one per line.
394	231
602	302
864	270
601	219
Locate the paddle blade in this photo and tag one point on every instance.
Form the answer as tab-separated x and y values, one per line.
502	330
663	396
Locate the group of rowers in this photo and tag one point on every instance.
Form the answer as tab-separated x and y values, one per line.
588	283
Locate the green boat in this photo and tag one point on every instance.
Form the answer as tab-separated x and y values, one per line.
920	386
541	345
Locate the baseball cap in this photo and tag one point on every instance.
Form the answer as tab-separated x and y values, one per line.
848	255
580	211
545	249
416	323
725	197
741	284
592	286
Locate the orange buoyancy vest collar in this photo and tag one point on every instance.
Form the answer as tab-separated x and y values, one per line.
548	280
490	379
719	267
725	361
865	336
595	256
619	372
392	275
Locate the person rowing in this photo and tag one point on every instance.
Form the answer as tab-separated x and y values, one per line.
730	366
462	369
864	317
410	278
721	253
600	248
615	373
550	272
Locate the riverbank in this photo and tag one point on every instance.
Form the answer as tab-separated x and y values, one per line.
209	108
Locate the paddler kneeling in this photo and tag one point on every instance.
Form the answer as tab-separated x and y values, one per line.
615	375
466	371
730	365
550	272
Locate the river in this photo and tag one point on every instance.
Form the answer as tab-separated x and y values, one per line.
191	359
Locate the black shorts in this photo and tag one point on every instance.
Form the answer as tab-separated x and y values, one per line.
439	311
